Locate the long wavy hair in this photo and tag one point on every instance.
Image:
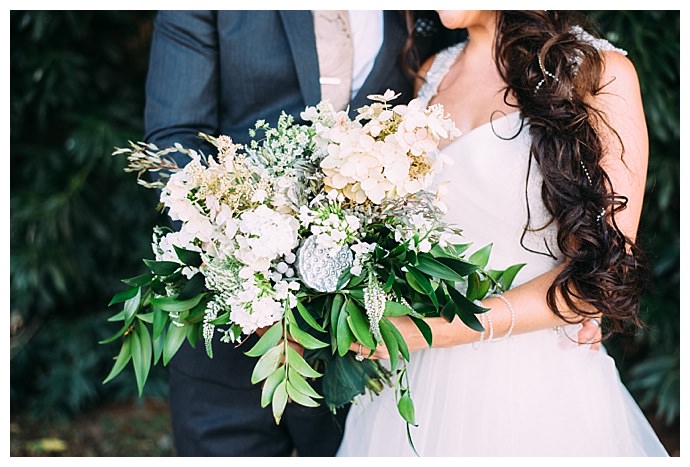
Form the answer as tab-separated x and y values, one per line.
604	271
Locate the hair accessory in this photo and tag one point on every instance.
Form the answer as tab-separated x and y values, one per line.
546	72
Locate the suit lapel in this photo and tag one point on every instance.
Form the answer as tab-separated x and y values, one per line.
299	28
394	35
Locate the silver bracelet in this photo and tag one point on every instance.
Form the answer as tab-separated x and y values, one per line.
476	345
512	316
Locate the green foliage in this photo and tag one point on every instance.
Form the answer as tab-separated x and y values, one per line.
77	222
650	361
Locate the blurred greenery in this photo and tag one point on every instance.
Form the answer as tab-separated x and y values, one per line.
79	224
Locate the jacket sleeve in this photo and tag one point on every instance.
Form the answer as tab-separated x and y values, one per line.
182	85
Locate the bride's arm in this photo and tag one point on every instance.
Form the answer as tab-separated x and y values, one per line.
621	104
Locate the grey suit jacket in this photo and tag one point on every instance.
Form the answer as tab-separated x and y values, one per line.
219	71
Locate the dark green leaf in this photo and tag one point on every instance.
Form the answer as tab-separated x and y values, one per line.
269	340
308	317
162	268
174	305
139	281
461	267
145	317
344	337
359	325
466	310
124	295
192	287
338	301
188	257
436	269
343	280
424	329
423	281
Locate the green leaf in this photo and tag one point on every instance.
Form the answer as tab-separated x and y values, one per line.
359	325
428	265
192	287
124	295
188	257
118	334
142	350
173	340
406	408
461	267
424	329
308	317
302	385
267	364
396	309
269	340
473	287
343	280
157	349
299	364
390	340
122	359
132	306
337	304
305	339
466	310
159	321
509	275
175	305
402	344
139	281
481	256
298	397
270	385
423	281
280	398
162	268
119	316
344	337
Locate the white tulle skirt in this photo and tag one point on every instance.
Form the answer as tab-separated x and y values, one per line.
536	394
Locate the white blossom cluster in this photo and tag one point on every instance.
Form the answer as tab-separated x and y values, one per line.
385	152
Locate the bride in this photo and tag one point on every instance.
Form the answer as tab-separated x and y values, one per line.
551	169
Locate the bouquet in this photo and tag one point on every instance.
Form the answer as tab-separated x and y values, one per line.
313	233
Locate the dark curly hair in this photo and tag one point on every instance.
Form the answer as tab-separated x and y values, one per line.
604	272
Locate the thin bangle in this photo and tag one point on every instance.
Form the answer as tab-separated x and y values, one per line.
512	316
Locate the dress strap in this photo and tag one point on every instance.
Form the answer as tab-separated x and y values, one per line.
439	68
598	43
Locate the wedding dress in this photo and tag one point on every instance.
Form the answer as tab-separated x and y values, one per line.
534	394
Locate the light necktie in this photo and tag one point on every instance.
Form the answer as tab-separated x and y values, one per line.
334	47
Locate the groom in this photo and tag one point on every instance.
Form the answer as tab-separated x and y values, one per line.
218	72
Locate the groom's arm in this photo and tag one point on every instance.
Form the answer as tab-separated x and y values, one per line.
182	86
